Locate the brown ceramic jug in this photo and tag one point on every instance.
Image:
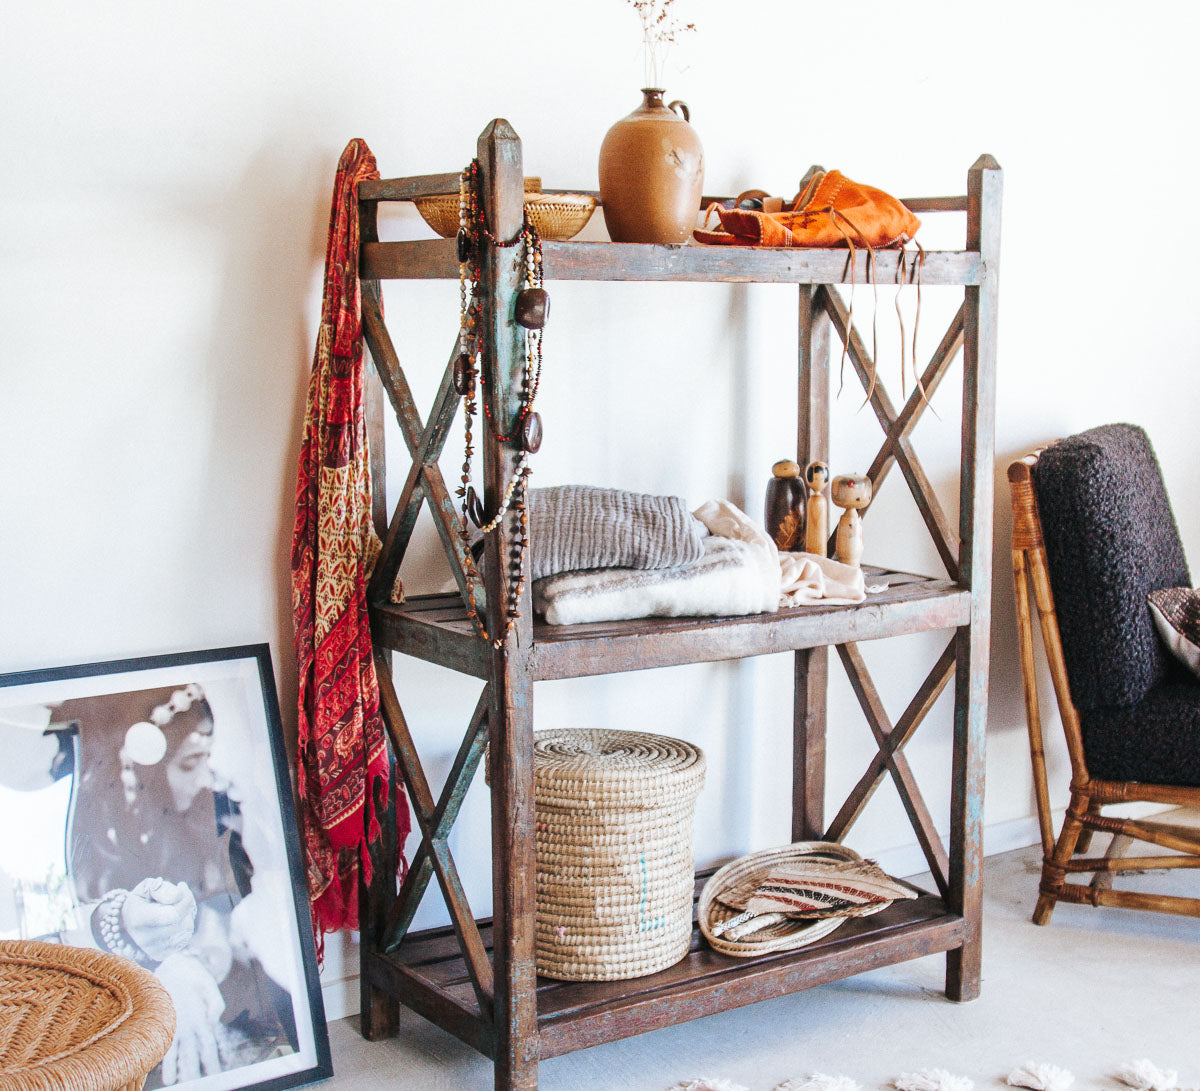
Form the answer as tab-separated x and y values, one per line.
651	173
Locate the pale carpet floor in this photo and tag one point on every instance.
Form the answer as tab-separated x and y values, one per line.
1095	989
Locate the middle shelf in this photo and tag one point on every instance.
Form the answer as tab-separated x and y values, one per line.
436	628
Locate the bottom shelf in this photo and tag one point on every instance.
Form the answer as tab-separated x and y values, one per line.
428	974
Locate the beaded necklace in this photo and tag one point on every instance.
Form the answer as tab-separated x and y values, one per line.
532	307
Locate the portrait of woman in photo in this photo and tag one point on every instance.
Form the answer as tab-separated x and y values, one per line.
157	855
157	825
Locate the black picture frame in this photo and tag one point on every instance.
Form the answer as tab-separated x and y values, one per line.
154	750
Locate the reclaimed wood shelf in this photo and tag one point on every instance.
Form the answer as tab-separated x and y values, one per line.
477	978
436	628
575	1015
428	259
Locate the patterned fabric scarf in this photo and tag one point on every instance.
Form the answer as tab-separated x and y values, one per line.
342	747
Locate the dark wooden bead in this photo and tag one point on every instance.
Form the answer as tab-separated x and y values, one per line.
533	307
531	433
462	373
465	245
475	508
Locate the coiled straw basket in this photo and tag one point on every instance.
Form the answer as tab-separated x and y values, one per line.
110	1022
615	870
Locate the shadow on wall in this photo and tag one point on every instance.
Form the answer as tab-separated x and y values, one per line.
274	224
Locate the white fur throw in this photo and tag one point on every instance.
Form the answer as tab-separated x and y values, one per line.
731	578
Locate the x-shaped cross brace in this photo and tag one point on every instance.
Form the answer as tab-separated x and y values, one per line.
435	822
897	449
425	443
897	426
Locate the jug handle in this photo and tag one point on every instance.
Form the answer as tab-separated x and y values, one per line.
683	108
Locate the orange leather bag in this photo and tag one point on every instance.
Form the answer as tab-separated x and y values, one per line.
831	211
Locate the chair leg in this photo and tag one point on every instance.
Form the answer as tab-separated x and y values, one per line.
1054	869
1117	847
1085	838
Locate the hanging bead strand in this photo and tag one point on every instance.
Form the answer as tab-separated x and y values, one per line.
532	308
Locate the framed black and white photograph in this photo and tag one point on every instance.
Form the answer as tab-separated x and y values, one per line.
149	813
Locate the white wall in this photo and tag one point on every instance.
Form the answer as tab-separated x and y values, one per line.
164	188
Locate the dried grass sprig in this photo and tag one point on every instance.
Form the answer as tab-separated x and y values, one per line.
660	26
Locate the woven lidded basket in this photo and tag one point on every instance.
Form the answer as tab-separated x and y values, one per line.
615	870
112	1021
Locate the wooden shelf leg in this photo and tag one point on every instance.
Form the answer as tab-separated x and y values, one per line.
379	1016
510	755
808	740
984	187
811	665
510	715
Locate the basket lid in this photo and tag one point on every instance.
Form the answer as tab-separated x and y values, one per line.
592	769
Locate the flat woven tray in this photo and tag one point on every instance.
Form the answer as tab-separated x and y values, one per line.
726	893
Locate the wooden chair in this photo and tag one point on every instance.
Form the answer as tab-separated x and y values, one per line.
1105	537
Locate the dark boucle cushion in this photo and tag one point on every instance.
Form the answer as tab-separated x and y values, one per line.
1156	741
1111	539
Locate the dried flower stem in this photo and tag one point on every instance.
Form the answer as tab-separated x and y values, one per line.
660	25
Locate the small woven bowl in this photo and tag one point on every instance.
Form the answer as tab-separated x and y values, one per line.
555	216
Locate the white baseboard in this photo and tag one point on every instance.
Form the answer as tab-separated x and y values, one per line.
340	997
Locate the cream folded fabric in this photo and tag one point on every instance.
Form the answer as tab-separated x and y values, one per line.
804	577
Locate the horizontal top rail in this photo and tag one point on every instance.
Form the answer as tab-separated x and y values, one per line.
405	189
432	259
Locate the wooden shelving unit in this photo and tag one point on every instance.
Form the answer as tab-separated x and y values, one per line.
476	978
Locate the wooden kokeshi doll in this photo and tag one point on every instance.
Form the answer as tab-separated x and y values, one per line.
816	530
852	492
783	516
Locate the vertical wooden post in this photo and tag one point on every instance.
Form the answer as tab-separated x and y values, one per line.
373	389
984	188
379	1011
812	664
510	716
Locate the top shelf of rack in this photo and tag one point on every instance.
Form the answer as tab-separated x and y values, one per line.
432	259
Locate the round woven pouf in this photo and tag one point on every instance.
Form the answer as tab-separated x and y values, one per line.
77	1018
615	871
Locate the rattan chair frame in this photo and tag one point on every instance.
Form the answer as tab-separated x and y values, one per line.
1066	855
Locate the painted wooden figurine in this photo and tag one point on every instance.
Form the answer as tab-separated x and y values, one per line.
852	492
784	511
816	529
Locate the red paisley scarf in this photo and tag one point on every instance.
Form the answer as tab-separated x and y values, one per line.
342	746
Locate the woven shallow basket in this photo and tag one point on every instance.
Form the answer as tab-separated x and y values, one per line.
615	871
79	1019
555	216
737	880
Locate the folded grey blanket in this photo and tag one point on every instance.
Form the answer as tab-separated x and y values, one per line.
582	526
